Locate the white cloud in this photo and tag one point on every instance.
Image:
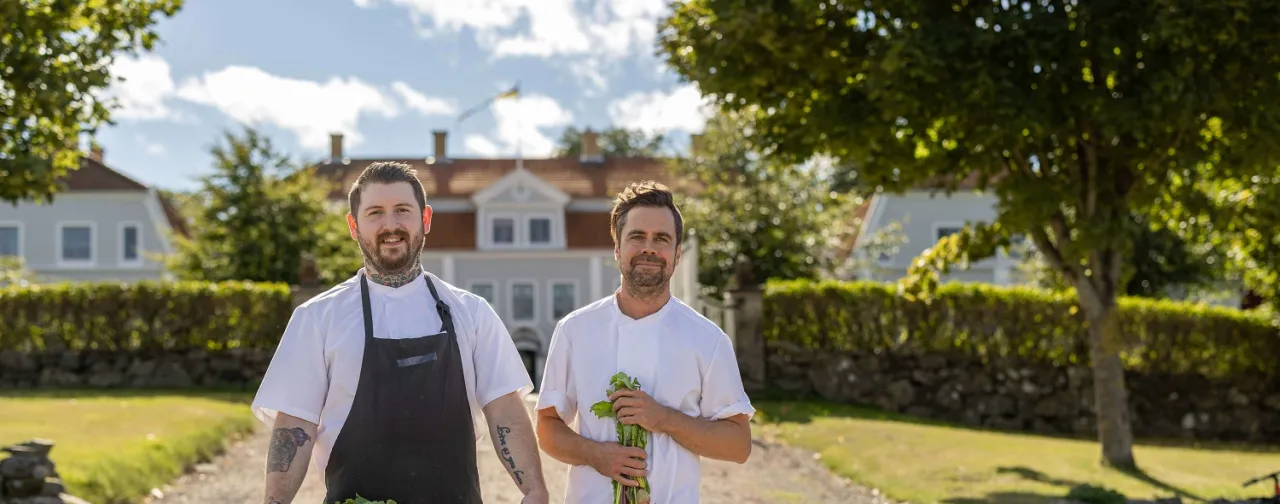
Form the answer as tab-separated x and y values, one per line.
684	108
141	86
425	105
309	109
591	37
153	148
521	124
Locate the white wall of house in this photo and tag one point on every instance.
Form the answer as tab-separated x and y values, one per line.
88	236
924	219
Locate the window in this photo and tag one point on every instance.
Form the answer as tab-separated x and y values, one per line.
540	230
947	230
564	299
9	236
76	243
522	301
129	244
504	230
484	290
1018	247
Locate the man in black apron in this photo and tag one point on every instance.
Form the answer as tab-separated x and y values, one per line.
408	435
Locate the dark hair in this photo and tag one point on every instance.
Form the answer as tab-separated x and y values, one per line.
386	172
645	193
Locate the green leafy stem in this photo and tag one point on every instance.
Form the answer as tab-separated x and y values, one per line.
628	435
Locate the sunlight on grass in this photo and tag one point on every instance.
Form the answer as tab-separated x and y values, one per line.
928	462
115	446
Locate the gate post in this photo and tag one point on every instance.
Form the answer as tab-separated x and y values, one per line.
745	303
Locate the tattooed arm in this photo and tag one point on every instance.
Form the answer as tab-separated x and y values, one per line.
513	440
288	456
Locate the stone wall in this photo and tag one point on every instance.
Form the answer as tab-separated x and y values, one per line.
233	368
1013	395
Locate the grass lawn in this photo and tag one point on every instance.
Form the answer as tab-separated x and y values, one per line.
924	462
115	446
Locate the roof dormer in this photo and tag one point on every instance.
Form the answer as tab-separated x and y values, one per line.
520	211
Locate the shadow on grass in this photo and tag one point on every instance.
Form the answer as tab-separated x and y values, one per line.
1142	476
1005	498
1030	474
233	395
778	407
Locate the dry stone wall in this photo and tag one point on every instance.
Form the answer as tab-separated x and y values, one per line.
1011	395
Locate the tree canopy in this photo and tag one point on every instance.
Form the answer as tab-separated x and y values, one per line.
55	63
258	214
1073	113
781	217
614	142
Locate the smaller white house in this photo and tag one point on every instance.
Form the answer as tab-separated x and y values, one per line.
101	226
923	217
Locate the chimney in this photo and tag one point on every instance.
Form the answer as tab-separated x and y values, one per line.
335	146
95	152
591	147
442	141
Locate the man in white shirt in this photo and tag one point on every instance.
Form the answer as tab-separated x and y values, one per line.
691	397
382	378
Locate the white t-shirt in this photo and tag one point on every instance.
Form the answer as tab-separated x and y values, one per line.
316	368
679	357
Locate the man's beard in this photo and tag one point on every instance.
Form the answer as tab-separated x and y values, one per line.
375	257
645	284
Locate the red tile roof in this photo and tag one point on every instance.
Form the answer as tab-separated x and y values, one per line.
464	177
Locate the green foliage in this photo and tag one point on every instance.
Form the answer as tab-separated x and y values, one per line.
55	64
13	271
613	142
258	215
1091	494
1248	221
991	322
782	217
143	316
362	500
628	435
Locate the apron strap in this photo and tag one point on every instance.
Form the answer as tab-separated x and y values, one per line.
364	300
441	307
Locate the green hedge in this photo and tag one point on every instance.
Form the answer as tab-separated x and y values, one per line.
143	316
1025	323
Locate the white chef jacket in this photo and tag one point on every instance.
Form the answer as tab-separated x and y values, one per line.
679	357
316	368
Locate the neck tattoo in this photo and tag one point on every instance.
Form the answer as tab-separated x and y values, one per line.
395	278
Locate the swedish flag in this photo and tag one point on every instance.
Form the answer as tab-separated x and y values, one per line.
514	92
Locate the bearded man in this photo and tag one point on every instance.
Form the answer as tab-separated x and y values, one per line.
381	379
691	397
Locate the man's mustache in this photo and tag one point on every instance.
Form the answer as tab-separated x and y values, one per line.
403	235
648	260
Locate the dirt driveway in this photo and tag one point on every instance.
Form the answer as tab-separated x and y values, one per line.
774	474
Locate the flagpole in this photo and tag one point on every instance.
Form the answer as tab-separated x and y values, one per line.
514	92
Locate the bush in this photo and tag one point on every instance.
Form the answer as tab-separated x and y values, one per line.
144	316
1017	322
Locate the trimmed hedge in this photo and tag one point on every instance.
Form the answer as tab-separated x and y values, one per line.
1017	322
165	316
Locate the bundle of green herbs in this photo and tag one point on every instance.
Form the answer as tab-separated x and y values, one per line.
362	500
628	435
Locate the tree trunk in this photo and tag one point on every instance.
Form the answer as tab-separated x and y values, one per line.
1111	395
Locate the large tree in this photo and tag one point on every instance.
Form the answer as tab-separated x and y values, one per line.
55	61
782	218
258	214
1073	113
613	142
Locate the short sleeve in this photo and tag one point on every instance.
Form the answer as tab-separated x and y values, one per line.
557	384
498	368
297	380
722	393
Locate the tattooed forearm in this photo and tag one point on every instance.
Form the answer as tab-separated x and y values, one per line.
506	454
284	447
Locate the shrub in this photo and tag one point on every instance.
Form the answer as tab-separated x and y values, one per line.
1017	322
143	316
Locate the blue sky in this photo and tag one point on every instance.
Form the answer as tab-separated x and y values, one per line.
385	73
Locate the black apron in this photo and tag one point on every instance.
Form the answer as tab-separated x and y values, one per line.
409	435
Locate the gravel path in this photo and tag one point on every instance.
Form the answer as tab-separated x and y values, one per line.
775	473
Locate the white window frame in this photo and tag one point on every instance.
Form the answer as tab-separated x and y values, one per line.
22	253
553	231
511	300
92	262
551	296
937	227
120	259
497	296
489	226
